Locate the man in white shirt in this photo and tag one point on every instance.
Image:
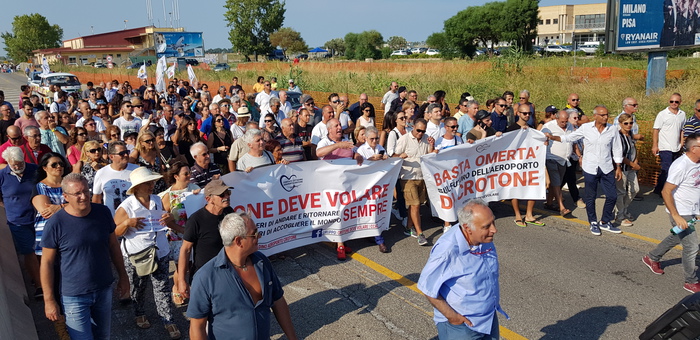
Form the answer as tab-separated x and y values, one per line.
320	130
59	105
435	127
285	105
263	98
599	138
340	112
390	95
630	106
112	181
557	158
681	194
86	113
667	134
274	106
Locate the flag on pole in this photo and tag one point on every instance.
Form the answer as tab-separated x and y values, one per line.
190	74
171	71
45	69
160	71
142	72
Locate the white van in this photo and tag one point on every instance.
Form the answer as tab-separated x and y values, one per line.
68	82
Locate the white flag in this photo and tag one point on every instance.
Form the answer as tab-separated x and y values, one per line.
142	72
190	74
171	71
160	71
45	67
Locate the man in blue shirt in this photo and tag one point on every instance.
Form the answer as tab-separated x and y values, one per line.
234	292
460	279
498	116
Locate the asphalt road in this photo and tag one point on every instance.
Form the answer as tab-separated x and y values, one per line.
557	281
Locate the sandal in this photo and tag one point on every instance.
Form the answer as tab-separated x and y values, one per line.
550	207
178	300
565	212
173	332
520	223
535	222
142	322
341	253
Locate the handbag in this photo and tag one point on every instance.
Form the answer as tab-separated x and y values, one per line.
145	261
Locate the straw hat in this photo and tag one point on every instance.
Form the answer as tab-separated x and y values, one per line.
141	175
243	112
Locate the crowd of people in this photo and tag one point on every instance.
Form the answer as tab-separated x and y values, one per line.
131	154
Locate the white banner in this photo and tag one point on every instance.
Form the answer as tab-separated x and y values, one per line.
142	72
45	69
171	71
160	71
493	169
190	74
308	202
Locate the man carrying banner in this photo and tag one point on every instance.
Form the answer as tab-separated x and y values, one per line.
557	159
460	279
602	146
372	151
411	147
524	113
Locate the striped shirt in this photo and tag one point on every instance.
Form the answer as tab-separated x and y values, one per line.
692	125
292	149
201	176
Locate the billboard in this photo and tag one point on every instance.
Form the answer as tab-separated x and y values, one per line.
643	25
179	44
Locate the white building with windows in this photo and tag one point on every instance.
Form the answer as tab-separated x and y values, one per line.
565	24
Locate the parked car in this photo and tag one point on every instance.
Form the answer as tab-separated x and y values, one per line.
588	48
432	51
557	49
193	62
293	98
34	78
302	56
399	52
72	64
135	65
68	82
277	55
100	65
221	67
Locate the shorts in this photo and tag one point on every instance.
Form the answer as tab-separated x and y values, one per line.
414	191
556	172
23	237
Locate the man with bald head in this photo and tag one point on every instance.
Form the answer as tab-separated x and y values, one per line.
285	105
629	106
321	130
86	113
14	138
7	118
292	145
355	108
573	102
390	95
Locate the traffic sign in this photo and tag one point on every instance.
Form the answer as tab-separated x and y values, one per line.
110	65
58	56
109	58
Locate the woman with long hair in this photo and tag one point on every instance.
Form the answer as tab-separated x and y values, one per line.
185	136
259	85
64	120
367	118
76	139
91	160
90	126
146	154
218	142
114	106
204	113
139	235
178	176
388	124
49	198
113	134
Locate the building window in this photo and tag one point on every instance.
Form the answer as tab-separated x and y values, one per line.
119	55
547	22
540	22
590	21
555	21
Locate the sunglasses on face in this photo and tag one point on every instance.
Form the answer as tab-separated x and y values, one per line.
82	134
137	105
268	121
526	113
502	105
420	131
674	101
57	164
94	150
452	126
627	123
635	105
122	153
149	141
575	100
401	118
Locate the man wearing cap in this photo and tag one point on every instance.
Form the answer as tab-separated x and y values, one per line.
238	129
139	112
308	102
468	109
397	103
202	232
292	87
390	95
112	181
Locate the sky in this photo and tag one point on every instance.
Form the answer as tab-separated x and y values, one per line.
318	21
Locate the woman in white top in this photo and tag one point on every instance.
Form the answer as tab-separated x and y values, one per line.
257	156
401	129
143	223
367	118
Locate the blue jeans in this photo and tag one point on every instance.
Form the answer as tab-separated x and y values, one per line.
689	241
607	181
448	331
89	316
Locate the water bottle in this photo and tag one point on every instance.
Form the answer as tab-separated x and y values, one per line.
676	230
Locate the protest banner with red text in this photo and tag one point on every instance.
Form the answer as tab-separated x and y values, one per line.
303	203
492	169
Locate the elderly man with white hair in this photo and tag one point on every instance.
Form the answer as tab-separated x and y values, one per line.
202	171
216	308
460	278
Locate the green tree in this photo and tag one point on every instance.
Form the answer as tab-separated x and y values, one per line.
363	45
351	41
30	32
520	22
397	43
289	40
337	45
475	24
252	22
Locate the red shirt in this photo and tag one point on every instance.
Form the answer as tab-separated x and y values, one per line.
29	155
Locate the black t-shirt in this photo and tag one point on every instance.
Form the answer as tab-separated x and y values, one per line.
4	124
202	229
234	88
514	127
304	133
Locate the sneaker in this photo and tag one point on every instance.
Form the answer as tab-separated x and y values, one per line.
580	203
396	213
446	228
404	222
653	265
411	232
422	241
626	223
341	253
39	294
594	229
607	226
692	287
